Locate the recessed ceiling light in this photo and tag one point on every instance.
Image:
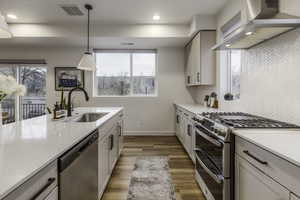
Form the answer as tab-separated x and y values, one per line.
156	17
228	45
249	33
12	16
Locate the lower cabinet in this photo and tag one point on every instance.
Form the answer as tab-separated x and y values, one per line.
251	183
113	147
43	185
185	131
294	197
120	133
53	195
110	146
188	142
103	161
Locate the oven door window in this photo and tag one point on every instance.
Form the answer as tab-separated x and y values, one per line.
210	154
208	162
215	188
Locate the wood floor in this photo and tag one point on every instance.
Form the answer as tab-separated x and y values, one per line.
181	167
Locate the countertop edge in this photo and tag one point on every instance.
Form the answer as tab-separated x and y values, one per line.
272	151
25	179
191	108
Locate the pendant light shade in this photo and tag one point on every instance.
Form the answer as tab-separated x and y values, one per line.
87	61
4	30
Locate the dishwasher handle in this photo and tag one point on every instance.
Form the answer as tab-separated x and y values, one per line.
44	188
71	155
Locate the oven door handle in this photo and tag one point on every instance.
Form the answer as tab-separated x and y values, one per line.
219	179
210	139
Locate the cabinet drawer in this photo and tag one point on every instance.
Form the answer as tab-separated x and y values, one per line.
53	195
188	115
294	197
282	171
38	187
251	183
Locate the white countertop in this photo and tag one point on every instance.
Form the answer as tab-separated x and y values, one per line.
283	143
28	146
196	108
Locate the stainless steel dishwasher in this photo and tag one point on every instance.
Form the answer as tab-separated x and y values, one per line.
78	171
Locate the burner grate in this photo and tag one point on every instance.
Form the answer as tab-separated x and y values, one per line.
244	120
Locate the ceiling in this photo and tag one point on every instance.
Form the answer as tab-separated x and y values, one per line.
110	11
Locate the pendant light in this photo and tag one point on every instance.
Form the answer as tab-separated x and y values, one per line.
87	61
4	30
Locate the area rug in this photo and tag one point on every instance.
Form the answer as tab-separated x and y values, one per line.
151	179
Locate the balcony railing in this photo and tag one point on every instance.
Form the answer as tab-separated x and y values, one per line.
33	110
28	111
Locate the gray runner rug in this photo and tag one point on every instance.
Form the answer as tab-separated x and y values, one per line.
151	179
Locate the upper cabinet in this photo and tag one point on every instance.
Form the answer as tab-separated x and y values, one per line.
200	59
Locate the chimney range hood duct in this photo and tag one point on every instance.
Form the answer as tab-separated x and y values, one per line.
257	22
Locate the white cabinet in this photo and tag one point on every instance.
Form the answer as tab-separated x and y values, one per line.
121	133
189	139
279	170
251	183
200	60
185	131
294	197
113	147
180	125
103	164
110	147
178	121
42	186
53	195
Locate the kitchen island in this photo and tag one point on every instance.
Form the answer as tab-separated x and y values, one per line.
28	146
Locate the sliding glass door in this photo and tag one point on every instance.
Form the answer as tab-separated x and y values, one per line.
9	104
33	104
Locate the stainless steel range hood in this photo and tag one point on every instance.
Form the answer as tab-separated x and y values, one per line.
259	21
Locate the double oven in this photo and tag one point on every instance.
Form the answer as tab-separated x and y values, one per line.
214	146
214	167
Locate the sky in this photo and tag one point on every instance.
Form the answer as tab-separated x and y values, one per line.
116	64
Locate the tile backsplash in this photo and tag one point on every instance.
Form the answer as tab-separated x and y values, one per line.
270	79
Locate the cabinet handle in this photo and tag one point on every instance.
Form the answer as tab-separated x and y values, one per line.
45	187
111	142
255	158
198	77
189	130
120	130
188	79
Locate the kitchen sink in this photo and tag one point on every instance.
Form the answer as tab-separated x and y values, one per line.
90	117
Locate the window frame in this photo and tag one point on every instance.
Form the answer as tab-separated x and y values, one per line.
229	74
18	99
131	52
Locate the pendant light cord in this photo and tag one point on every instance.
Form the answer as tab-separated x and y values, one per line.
88	32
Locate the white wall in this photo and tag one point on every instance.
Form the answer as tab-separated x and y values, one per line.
153	115
270	79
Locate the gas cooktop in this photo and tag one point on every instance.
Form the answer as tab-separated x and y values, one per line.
244	120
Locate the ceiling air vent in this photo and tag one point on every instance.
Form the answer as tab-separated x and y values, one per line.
72	10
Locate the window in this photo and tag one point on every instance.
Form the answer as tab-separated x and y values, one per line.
125	73
234	72
31	105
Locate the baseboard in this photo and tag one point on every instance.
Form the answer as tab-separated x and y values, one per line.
149	133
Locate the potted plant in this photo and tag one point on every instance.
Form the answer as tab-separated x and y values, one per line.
9	87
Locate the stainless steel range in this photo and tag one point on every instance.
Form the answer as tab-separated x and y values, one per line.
214	149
